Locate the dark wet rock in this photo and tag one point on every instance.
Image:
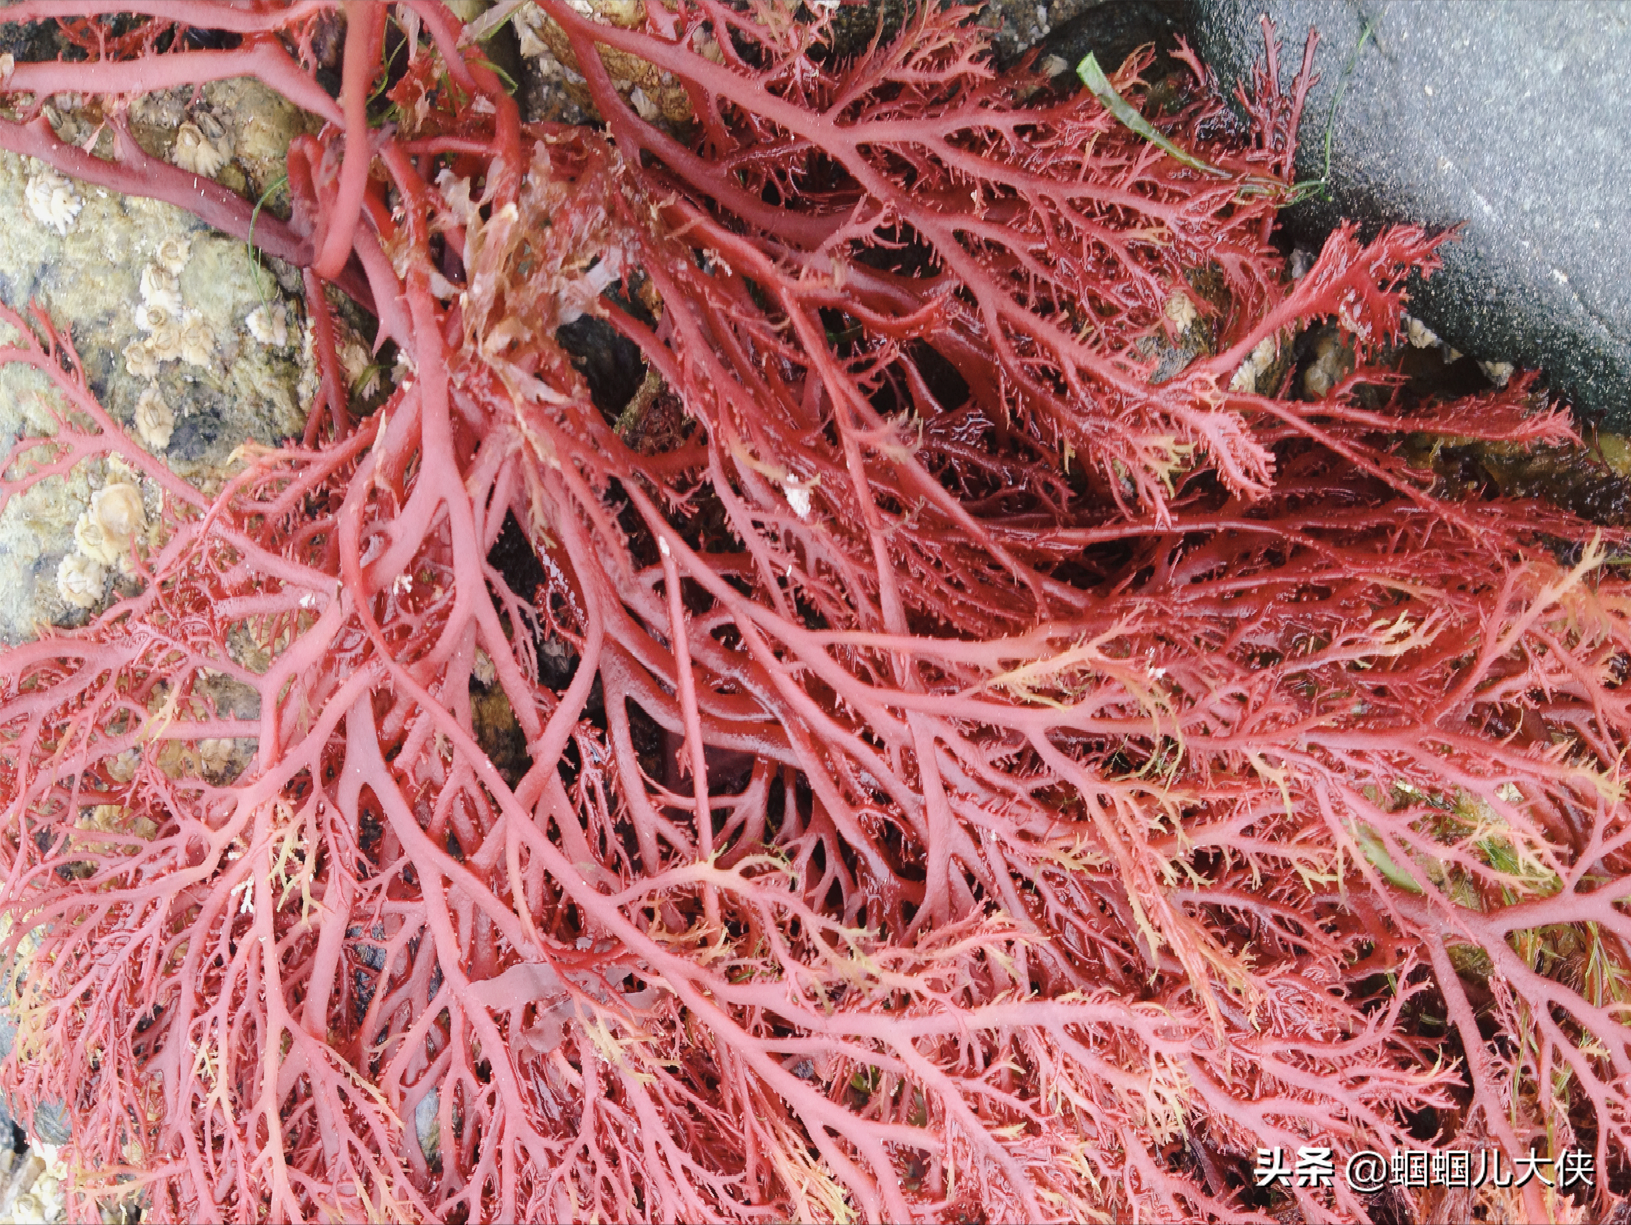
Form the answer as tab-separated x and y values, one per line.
1110	30
51	1122
1505	118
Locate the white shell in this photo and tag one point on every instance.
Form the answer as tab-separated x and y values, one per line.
151	316
122	769
1255	366
1421	336
269	324
140	361
197	341
155	423
105	532
215	754
165	342
159	289
194	151
80	580
52	200
173	253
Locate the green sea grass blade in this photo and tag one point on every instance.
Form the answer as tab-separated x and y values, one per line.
1093	77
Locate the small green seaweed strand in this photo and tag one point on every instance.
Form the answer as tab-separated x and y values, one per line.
250	249
1095	80
1128	114
1321	186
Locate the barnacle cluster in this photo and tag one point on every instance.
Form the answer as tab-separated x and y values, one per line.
106	532
1258	363
196	152
172	333
80	580
215	754
43	1178
52	199
113	819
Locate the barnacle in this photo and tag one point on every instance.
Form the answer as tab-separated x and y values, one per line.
44	1200
106	531
1181	309
80	580
122	768
195	152
358	366
310	377
160	290
1333	361
119	509
197	342
52	200
1421	336
90	540
140	360
173	253
165	342
105	817
269	324
114	819
215	754
1259	362
154	420
151	316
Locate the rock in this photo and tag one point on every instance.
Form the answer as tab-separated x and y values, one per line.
1505	118
1111	30
51	1122
158	306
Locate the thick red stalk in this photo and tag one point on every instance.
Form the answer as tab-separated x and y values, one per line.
364	38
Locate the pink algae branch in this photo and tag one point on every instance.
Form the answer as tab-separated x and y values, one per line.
961	778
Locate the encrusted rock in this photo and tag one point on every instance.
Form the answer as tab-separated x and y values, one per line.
154	302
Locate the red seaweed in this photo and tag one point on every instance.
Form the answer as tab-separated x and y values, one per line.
963	778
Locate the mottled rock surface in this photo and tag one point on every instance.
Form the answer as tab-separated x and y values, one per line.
158	306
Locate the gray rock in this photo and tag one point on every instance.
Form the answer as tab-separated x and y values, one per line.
51	1122
1506	118
81	254
1110	30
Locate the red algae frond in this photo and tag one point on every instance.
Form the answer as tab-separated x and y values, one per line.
902	762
